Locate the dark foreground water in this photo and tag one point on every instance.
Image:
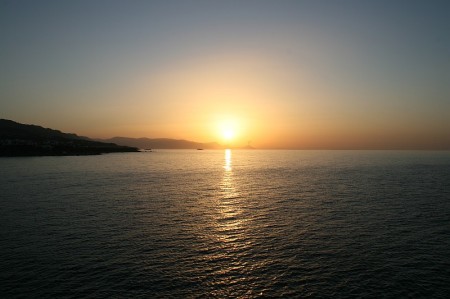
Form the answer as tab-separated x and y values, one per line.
333	224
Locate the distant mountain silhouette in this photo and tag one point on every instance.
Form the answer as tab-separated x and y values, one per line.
161	143
30	140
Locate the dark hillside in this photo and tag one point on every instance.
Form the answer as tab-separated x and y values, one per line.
30	140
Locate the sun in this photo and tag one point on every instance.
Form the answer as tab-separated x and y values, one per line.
228	130
228	134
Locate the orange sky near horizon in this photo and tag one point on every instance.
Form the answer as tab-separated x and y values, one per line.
265	109
274	74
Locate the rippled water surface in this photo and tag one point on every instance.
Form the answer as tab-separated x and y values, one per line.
184	224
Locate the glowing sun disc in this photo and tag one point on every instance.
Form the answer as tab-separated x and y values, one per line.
228	134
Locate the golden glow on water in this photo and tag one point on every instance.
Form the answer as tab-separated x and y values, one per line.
228	228
230	220
227	165
230	204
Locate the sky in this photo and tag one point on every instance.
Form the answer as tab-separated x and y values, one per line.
272	74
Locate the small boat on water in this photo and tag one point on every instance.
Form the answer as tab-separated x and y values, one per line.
199	149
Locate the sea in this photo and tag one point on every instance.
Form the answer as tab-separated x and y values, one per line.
226	224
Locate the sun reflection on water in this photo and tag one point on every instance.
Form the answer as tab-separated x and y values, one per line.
231	234
227	160
230	220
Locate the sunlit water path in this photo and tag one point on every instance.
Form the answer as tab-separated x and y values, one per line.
179	223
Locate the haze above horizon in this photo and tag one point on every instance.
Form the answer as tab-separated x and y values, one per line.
273	74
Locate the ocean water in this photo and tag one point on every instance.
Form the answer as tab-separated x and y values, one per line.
226	224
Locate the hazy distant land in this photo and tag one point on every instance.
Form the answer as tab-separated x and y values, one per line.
161	143
18	139
30	140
